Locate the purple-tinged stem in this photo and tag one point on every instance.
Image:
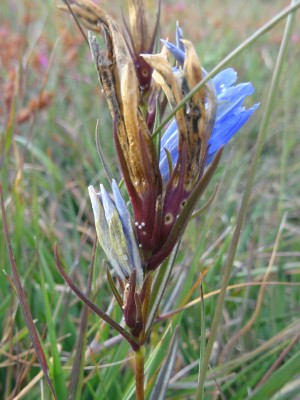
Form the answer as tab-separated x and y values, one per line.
139	373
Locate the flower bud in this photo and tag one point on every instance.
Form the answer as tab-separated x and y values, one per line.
115	233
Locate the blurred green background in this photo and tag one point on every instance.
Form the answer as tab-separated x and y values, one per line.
50	100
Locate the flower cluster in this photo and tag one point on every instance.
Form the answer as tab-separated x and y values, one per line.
165	187
164	178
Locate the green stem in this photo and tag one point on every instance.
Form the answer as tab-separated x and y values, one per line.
246	197
139	373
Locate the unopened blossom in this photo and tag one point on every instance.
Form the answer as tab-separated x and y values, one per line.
115	233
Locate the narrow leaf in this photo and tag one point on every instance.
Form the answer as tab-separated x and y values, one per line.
135	346
23	302
161	383
159	287
278	379
75	387
113	287
56	370
109	175
206	205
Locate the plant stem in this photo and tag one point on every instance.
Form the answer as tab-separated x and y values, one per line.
139	373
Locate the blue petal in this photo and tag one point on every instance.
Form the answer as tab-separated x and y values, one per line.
178	54
163	163
120	204
224	79
168	134
108	205
224	130
125	217
179	43
121	250
231	114
232	98
169	141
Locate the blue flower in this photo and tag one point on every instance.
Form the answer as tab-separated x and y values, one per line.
231	114
115	233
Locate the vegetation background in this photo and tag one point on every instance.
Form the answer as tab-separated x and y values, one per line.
50	100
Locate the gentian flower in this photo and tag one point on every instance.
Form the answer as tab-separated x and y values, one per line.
231	115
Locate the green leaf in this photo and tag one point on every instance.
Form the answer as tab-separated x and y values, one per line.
278	379
159	287
56	370
161	383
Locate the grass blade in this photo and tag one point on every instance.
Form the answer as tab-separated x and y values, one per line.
75	386
246	197
161	384
278	379
159	287
265	28
23	302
